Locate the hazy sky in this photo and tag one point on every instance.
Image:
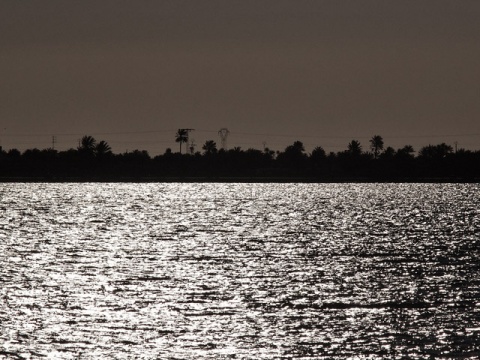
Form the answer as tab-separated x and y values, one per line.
324	72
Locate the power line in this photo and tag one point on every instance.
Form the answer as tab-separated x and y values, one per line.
356	136
93	132
328	136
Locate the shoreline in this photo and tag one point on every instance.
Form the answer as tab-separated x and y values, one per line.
233	179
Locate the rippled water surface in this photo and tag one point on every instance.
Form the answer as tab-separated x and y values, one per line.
245	271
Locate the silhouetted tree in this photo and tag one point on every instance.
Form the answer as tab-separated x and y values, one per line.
137	155
256	155
296	148
434	162
87	144
318	154
102	149
293	158
354	148
181	137
435	151
376	144
402	164
270	154
210	147
467	164
14	154
388	154
405	152
39	162
318	159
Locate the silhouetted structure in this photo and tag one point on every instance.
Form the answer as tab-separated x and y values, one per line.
223	133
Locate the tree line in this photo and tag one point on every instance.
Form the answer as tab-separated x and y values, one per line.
93	160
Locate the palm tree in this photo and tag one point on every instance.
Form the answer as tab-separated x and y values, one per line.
436	151
293	156
181	137
354	147
210	147
376	144
87	143
103	149
407	151
86	147
388	153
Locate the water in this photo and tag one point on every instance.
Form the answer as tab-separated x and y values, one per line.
245	271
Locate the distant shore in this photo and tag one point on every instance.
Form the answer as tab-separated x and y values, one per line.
94	161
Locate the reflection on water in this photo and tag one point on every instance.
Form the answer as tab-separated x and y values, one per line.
254	271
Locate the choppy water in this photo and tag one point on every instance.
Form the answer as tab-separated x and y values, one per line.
246	271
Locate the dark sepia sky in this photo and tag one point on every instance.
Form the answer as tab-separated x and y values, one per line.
271	71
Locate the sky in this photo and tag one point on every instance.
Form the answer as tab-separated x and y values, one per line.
270	71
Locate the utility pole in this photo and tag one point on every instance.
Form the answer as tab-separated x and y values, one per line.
456	145
54	140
